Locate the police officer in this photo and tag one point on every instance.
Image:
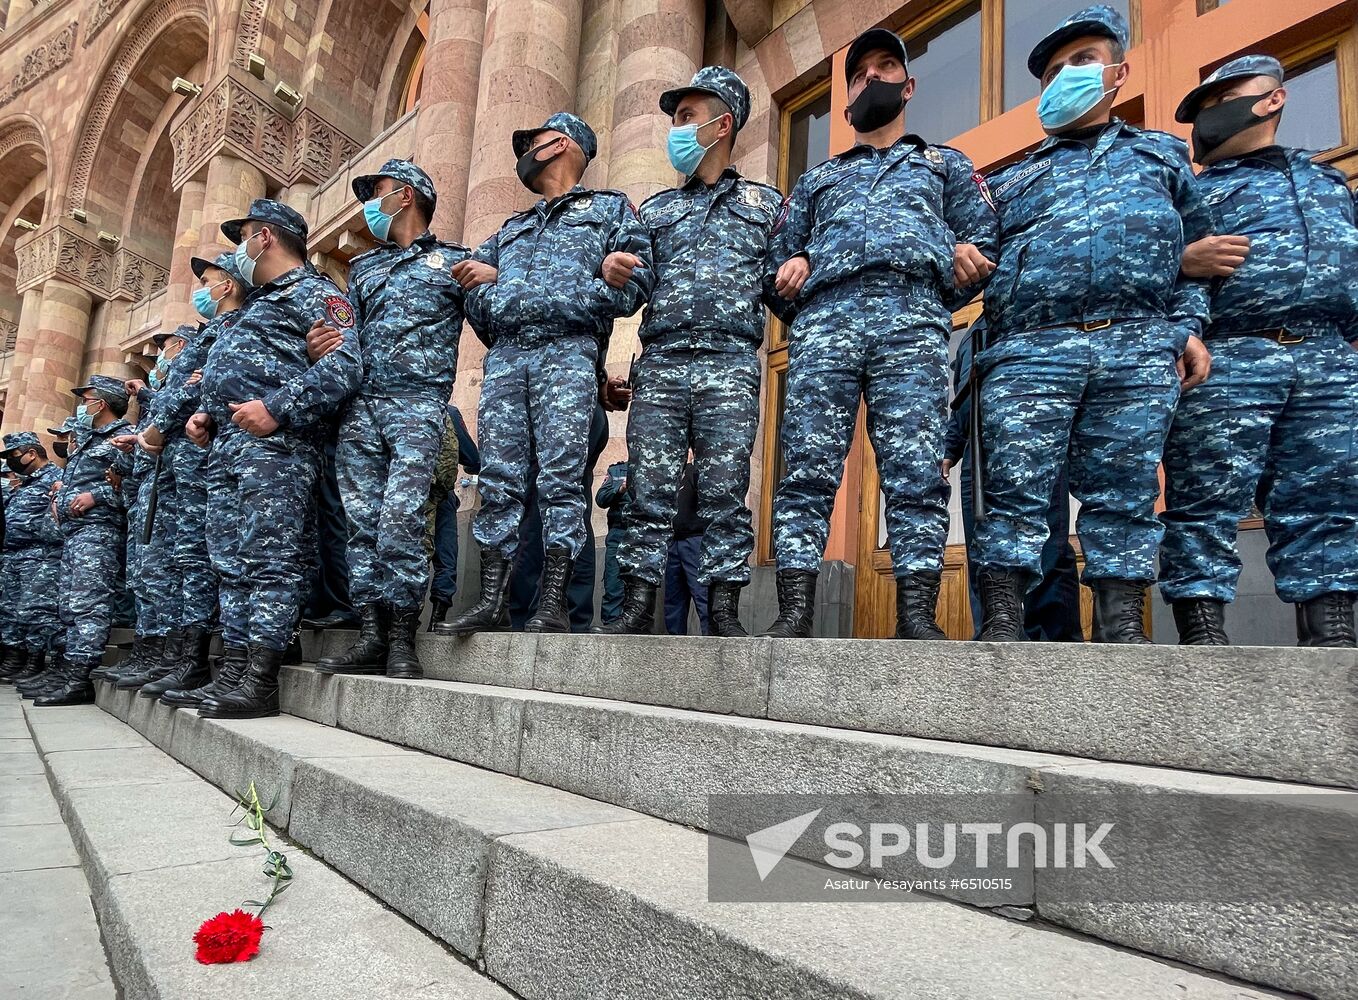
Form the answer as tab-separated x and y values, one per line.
613	496
697	384
263	400
458	449
1088	319
408	310
93	519
1281	407
62	443
536	295
873	249
220	292
31	573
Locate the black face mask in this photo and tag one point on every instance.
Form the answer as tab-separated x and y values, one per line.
877	105
60	448
1219	125
529	166
16	464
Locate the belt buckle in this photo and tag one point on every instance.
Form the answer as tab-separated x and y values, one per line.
1094	327
1287	337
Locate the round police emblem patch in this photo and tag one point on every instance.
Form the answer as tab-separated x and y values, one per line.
339	312
434	261
933	155
752	196
583	204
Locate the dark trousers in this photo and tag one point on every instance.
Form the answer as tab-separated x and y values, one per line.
610	609
682	564
444	585
330	581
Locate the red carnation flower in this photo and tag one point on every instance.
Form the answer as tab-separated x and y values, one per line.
228	937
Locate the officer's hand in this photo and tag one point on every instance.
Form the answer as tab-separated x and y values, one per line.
195	378
81	504
321	339
254	417
134	386
124	442
618	267
969	265
1194	365
55	487
199	429
470	273
151	440
791	276
615	394
1215	256
947	467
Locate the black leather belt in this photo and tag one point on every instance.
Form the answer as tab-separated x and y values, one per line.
1279	335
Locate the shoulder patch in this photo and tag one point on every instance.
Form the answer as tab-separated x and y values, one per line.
339	312
782	214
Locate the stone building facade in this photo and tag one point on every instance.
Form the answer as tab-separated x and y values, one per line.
130	128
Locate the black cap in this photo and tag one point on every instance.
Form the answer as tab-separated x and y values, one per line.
871	41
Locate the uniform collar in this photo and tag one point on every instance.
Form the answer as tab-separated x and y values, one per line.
110	427
1115	128
908	140
728	177
289	277
547	207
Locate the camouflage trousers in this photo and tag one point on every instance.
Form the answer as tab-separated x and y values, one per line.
152	576
193	565
384	463
37	609
885	341
259	506
11	588
91	564
535	401
1280	423
707	401
1106	398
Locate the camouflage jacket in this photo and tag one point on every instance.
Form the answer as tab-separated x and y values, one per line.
28	512
1091	235
84	473
177	401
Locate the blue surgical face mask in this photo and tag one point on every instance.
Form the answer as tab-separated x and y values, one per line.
379	222
1075	92
154	378
84	417
244	261
204	303
685	151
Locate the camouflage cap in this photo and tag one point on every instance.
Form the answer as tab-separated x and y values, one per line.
19	441
67	426
562	122
721	83
403	171
107	386
873	40
270	213
185	332
1098	19
1237	69
222	262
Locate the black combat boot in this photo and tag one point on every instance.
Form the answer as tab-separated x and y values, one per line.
554	612
1201	622
438	613
917	606
190	671
1119	610
402	660
723	609
1002	594
77	689
35	666
368	653
14	663
638	610
146	653
229	673
491	611
796	604
1326	620
256	697
171	651
48	675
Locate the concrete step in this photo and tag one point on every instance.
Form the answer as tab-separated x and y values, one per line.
1286	714
48	911
563	896
153	839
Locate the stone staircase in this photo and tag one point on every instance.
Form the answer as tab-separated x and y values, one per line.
540	810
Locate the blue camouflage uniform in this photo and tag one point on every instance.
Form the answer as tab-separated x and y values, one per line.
92	543
408	310
149	567
30	577
260	489
170	411
1278	419
546	318
879	228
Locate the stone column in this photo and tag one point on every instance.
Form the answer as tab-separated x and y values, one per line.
16	9
231	185
443	130
51	373
187	238
25	343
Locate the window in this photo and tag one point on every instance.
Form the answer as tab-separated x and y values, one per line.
1312	118
945	61
808	139
1026	22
